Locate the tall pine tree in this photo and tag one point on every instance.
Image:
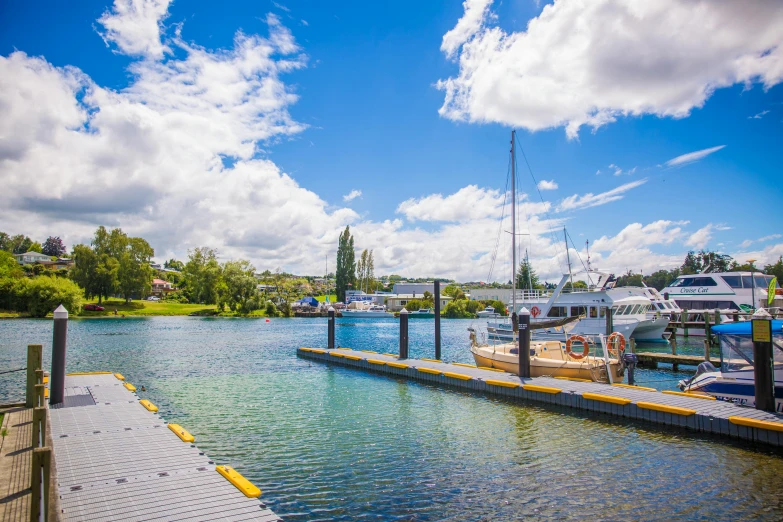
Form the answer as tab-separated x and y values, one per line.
345	273
526	276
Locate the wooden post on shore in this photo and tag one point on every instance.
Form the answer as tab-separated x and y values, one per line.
684	319
39	427
42	461
39	397
34	362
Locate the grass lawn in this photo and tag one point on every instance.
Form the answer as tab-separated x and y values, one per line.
146	308
322	298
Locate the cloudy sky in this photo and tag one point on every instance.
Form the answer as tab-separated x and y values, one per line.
263	128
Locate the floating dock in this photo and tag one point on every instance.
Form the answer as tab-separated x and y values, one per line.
117	459
688	411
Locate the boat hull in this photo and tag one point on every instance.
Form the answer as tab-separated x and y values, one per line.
361	314
739	389
589	369
651	330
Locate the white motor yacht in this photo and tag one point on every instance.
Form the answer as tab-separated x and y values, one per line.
374	312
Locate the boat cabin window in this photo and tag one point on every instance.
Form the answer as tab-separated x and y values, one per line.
557	311
578	310
694	281
593	312
620	310
733	281
761	282
747	282
707	305
660	306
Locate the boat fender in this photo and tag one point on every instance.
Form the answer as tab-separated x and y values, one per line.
585	350
620	346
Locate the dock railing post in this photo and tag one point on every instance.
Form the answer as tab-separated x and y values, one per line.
34	362
437	319
39	484
403	334
57	380
524	343
330	328
763	362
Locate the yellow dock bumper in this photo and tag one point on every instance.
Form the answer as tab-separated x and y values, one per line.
633	387
429	370
694	395
666	408
376	361
622	401
119	376
182	433
504	384
460	376
755	423
542	389
129	386
240	482
147	404
397	365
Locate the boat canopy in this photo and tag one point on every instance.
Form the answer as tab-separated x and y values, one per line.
743	328
312	301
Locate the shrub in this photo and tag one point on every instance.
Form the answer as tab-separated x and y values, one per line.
499	306
176	297
474	306
42	294
418	304
285	308
271	309
456	310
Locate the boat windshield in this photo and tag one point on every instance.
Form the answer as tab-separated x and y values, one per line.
736	352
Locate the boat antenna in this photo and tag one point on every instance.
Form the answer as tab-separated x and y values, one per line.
568	258
513	235
587	247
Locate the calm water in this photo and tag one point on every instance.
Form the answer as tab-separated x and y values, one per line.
327	443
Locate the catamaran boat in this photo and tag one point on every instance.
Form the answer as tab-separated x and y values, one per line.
728	292
374	312
553	359
488	312
734	381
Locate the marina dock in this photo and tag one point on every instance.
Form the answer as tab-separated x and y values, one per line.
117	459
690	412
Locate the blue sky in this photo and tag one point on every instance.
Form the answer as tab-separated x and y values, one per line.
100	113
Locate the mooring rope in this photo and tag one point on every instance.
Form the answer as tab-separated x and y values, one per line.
11	371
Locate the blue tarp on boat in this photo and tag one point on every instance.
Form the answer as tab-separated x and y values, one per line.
743	328
308	301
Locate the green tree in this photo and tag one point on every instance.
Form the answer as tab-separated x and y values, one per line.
8	266
21	244
346	264
526	276
173	264
202	275
776	270
53	246
629	279
240	285
134	273
5	242
96	273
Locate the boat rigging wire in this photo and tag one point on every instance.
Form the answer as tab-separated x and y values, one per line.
500	225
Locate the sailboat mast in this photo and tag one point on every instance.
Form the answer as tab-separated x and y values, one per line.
513	228
568	258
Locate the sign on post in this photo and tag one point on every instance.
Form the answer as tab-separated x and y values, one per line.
761	329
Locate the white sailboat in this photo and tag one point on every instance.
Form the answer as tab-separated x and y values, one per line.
550	357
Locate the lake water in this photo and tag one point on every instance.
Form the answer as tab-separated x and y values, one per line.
328	443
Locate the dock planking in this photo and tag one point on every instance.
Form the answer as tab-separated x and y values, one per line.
116	460
707	416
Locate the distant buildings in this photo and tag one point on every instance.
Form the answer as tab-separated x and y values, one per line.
33	258
161	288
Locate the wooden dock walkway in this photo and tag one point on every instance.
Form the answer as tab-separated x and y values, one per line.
680	410
651	359
117	460
15	453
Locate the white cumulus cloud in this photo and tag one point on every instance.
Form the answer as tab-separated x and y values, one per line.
134	26
352	195
588	62
547	185
692	157
701	237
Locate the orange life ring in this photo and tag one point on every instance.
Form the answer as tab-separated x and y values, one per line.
577	356
620	348
535	311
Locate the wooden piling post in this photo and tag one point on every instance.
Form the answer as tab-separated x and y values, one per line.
633	345
707	328
39	397
34	362
39	427
684	317
673	343
42	460
706	350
